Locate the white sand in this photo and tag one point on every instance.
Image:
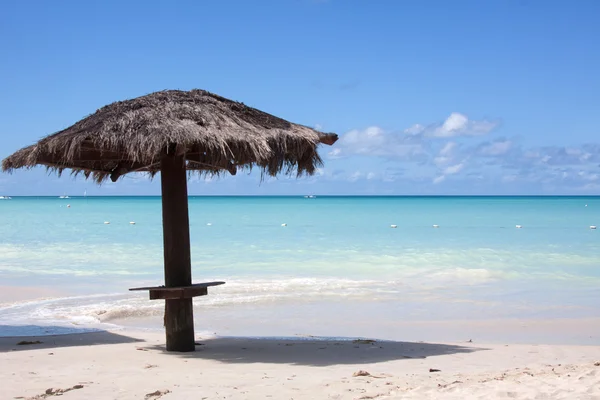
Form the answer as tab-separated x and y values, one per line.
131	365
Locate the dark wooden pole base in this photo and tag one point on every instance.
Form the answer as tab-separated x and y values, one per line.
179	324
179	314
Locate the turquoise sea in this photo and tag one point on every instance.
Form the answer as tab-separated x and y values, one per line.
338	257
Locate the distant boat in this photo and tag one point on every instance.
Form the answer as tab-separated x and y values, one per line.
64	196
5	198
310	197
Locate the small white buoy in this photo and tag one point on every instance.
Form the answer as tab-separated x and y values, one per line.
209	224
518	226
132	223
106	222
68	206
393	226
283	224
586	205
436	226
593	227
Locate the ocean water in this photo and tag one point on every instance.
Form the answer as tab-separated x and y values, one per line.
337	259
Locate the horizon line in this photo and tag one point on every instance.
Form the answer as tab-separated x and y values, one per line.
317	195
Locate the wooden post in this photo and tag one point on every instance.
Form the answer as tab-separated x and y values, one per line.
179	314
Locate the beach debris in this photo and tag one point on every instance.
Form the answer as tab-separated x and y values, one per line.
141	349
149	366
393	226
283	224
26	342
592	226
106	222
363	341
434	370
156	394
448	384
366	373
436	226
55	392
597	364
518	226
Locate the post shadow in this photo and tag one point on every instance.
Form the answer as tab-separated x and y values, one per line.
74	337
315	351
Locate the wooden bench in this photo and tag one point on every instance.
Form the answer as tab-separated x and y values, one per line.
178	292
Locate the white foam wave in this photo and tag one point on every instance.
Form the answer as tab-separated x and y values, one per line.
107	310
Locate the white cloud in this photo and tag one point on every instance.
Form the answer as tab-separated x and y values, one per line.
439	161
454	123
355	176
421	151
454	169
497	148
588	176
439	179
459	125
446	154
335	153
448	149
415	129
374	141
410	144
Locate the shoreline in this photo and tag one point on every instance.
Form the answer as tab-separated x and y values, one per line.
132	365
319	318
553	332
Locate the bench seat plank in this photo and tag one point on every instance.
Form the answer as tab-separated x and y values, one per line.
166	289
178	292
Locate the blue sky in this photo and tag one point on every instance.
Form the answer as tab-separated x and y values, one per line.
429	97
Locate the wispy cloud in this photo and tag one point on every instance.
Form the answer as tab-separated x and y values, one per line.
454	169
496	148
438	179
460	150
455	125
374	141
335	153
413	143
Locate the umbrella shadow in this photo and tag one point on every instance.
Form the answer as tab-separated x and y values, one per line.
71	337
315	351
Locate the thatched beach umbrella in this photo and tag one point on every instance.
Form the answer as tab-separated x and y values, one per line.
171	132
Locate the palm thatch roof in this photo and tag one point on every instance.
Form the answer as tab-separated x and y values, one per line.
214	134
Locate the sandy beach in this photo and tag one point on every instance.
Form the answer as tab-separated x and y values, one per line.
133	365
307	199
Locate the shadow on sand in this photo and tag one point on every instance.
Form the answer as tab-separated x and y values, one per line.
314	351
61	337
